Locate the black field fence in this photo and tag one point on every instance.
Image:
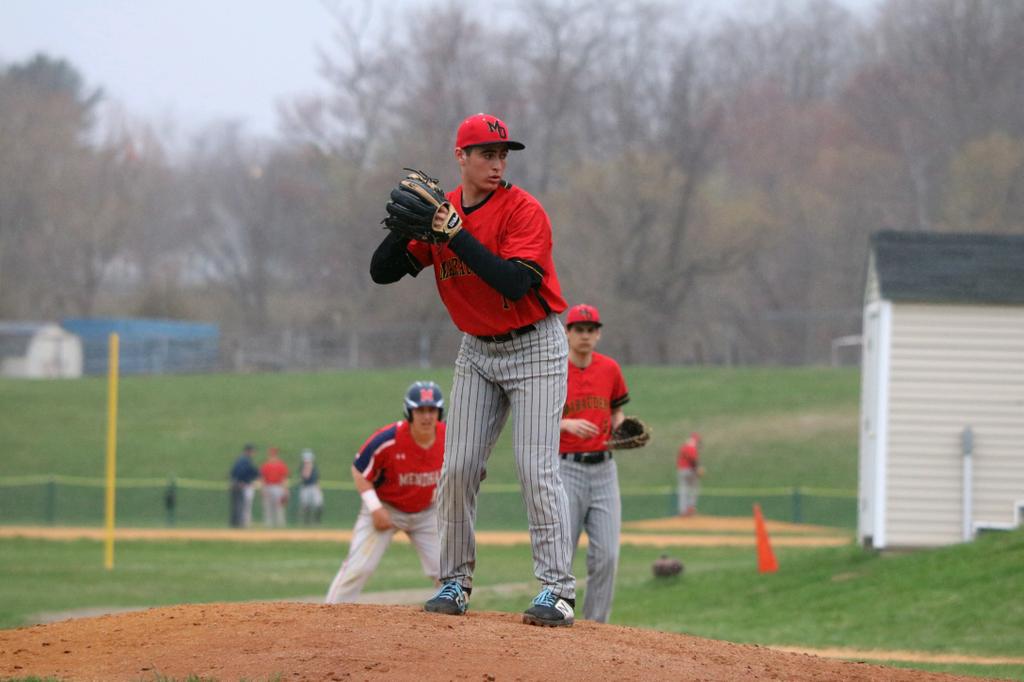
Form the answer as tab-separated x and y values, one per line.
153	502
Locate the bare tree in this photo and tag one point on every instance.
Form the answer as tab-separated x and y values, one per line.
941	73
67	203
350	120
711	182
807	49
565	40
232	204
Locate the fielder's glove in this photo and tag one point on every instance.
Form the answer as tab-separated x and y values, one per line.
666	567
631	433
419	210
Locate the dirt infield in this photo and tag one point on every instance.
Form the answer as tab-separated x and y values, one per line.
305	641
259	641
700	531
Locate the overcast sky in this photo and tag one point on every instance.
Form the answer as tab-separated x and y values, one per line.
192	62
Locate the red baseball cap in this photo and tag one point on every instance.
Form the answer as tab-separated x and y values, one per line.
583	313
484	129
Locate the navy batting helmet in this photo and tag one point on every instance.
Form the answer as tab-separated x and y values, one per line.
424	394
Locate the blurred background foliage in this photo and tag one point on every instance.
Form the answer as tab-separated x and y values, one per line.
712	180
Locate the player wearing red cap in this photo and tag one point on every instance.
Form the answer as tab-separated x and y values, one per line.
593	408
496	276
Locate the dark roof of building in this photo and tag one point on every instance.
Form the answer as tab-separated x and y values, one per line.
950	267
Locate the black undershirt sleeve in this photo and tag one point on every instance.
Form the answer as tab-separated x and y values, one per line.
392	260
510	278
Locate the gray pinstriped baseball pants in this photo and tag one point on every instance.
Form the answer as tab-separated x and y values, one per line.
527	377
596	507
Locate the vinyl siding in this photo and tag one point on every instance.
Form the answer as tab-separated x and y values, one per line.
953	366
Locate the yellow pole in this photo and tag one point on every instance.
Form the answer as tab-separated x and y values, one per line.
112	373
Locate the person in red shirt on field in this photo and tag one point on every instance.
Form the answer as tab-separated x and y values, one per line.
396	473
689	472
274	473
496	276
593	408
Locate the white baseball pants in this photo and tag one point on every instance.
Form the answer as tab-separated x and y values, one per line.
368	546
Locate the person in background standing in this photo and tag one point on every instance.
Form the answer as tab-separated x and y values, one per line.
275	489
311	498
689	472
243	473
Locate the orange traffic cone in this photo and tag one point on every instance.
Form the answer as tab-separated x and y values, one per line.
766	562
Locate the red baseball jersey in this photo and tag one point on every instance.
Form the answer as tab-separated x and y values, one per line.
403	473
594	391
512	225
274	471
688	457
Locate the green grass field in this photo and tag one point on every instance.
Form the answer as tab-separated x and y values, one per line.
763	428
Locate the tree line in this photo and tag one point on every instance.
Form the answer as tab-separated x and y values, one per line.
712	181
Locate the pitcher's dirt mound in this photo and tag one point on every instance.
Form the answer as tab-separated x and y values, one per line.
257	641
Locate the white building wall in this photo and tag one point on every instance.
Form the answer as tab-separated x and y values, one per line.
871	482
953	366
51	353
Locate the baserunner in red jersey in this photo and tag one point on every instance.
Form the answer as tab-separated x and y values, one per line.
396	473
497	279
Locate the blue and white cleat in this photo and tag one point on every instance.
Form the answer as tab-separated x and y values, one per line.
451	600
550	610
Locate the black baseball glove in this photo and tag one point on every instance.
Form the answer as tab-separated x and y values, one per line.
419	210
631	433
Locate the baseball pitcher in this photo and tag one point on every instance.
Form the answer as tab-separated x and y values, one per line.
489	244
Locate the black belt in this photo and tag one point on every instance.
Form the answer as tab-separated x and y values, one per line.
508	336
587	457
